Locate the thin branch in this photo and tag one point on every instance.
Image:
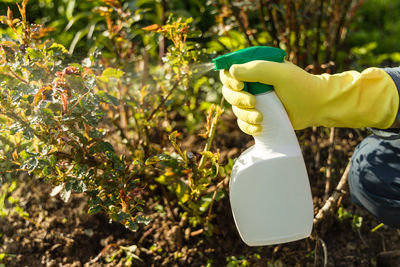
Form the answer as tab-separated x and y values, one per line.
281	22
315	144
213	199
240	22
21	121
104	250
211	134
78	101
288	28
331	149
124	135
122	111
166	201
163	100
340	29
15	75
262	15
318	33
333	198
324	248
273	32
296	28
162	44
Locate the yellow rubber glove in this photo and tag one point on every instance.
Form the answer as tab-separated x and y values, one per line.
349	99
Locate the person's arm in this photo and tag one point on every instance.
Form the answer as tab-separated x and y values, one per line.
395	75
349	99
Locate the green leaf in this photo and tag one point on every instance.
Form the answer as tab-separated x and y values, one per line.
157	158
34	53
31	164
94	209
110	74
65	195
182	191
107	98
118	163
172	137
92	120
120	216
28	133
24	155
114	73
81	137
132	226
143	220
96	134
162	179
214	170
208	154
56	47
47	111
76	185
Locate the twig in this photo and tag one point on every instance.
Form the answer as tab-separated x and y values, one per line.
197	232
316	252
162	43
104	250
213	199
340	29
333	198
163	100
288	27
19	119
211	134
17	76
145	234
377	227
331	149
78	101
324	248
281	23
315	144
124	135
262	15
145	66
274	32
167	203
240	22
361	237
318	34
296	28
122	111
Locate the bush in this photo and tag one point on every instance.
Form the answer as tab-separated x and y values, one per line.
109	125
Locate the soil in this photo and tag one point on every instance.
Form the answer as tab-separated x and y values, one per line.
64	234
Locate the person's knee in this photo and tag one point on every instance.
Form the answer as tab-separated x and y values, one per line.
374	179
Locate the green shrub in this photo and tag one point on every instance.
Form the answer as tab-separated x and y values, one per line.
108	125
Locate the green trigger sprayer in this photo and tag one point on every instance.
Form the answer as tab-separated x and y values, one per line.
269	189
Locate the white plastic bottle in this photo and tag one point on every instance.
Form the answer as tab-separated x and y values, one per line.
269	189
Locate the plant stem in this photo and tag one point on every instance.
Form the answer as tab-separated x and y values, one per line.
17	76
329	163
213	200
165	198
333	198
318	36
240	22
211	134
163	100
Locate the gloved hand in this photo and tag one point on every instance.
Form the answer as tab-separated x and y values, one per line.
349	99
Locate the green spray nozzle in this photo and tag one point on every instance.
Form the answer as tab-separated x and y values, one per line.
249	54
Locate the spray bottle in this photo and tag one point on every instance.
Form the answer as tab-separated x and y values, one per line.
269	190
